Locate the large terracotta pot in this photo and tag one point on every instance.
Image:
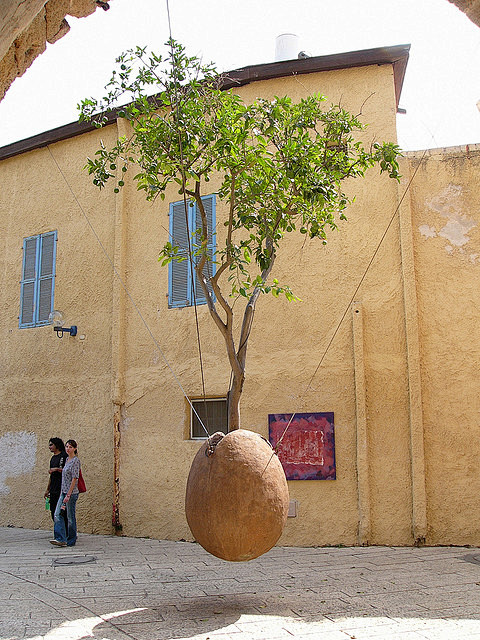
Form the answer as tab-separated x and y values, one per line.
237	496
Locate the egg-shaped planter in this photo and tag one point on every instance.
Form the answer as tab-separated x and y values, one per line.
237	497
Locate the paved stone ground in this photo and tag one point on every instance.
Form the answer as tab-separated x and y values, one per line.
142	589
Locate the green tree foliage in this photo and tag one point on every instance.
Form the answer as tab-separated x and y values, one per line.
282	167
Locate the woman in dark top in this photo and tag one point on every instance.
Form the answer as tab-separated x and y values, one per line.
57	462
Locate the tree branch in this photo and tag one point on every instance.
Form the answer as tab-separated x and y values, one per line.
250	308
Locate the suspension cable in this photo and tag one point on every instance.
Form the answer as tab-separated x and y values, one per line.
120	279
352	298
185	206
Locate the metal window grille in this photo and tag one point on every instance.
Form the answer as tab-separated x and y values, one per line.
213	413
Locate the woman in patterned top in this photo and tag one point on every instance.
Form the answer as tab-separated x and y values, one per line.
68	499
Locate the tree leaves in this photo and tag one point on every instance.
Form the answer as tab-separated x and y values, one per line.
282	164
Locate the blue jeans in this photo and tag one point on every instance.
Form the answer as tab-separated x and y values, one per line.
59	523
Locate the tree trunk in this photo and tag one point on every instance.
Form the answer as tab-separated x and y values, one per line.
234	396
236	358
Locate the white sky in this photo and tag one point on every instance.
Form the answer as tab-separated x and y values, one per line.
440	91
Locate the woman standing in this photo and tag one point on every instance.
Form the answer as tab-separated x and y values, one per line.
57	462
68	499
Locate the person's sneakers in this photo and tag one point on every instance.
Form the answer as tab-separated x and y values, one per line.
57	543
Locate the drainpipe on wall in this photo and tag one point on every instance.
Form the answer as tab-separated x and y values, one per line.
362	455
116	470
118	339
417	445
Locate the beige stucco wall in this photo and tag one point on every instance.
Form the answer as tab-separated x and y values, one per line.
384	336
51	387
445	202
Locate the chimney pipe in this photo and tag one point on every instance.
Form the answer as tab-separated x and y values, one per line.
286	47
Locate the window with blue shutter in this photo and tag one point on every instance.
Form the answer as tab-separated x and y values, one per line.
38	279
181	288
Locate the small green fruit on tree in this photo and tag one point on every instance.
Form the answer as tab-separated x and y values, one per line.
282	167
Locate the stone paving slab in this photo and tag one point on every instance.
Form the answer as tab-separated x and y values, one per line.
143	589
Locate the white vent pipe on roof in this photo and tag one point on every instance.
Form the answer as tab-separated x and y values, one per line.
286	47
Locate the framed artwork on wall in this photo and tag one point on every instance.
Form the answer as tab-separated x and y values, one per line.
306	448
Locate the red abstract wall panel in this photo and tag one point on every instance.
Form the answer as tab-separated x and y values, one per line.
305	446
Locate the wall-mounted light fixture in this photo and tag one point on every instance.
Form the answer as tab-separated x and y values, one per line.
56	318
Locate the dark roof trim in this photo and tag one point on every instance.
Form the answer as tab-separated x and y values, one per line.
49	137
397	56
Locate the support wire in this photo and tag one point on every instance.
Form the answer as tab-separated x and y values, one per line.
185	206
120	279
352	298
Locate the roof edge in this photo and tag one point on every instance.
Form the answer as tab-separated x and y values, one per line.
458	149
396	55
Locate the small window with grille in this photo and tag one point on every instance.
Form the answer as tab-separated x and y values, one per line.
212	413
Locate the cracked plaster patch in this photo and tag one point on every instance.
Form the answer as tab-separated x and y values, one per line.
18	451
449	204
126	423
455	231
428	232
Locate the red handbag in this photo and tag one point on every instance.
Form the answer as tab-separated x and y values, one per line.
82	487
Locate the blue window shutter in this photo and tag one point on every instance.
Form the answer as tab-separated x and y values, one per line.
28	283
209	268
27	304
178	272
30	258
180	286
45	298
38	279
46	277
